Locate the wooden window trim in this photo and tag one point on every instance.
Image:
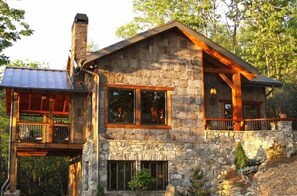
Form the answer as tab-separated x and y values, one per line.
138	89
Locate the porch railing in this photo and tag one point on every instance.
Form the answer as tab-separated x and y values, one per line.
247	124
39	132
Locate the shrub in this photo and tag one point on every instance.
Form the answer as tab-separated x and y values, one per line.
198	183
241	159
100	190
142	180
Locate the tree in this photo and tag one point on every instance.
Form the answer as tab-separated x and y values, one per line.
241	159
142	180
199	15
198	183
268	37
12	27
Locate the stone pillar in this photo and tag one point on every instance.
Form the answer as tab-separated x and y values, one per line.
15	193
287	129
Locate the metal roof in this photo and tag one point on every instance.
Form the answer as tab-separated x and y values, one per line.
39	79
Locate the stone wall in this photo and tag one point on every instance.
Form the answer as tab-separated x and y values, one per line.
168	60
215	154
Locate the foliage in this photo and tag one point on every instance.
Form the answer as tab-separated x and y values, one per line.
100	190
198	183
12	27
4	139
241	159
142	180
29	64
200	15
267	37
43	175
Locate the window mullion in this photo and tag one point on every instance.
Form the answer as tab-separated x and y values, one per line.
137	107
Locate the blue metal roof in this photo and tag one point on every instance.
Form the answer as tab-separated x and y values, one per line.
39	79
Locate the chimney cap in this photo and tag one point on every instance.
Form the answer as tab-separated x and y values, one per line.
81	18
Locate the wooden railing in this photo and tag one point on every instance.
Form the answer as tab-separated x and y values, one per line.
247	124
39	132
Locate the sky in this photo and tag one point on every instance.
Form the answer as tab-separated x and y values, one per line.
52	20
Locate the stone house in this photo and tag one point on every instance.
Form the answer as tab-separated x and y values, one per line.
166	99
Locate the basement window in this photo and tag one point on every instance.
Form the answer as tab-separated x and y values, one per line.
138	106
159	170
120	174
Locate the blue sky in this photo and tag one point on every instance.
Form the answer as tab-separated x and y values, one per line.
51	21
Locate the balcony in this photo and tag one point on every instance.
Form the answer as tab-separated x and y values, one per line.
40	133
44	139
247	124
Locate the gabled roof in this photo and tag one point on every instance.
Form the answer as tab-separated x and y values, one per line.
39	79
209	46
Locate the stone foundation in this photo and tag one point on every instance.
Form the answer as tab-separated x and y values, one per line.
214	154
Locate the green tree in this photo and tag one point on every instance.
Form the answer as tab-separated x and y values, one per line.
268	38
241	159
198	183
199	15
12	27
4	139
142	180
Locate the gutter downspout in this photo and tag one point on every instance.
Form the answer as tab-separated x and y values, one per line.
9	144
98	109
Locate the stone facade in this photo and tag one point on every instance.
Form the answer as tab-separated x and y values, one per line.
215	154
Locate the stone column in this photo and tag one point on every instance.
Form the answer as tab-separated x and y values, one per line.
287	129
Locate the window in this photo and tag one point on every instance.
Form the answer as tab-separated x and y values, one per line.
250	110
138	106
159	170
153	107
121	106
119	174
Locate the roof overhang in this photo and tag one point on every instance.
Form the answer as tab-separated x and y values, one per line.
47	80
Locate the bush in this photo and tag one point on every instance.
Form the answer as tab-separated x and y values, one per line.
198	183
100	190
142	180
241	159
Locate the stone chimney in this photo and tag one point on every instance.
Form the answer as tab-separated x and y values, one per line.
78	41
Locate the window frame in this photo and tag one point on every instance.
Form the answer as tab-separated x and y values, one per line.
109	173
154	187
138	89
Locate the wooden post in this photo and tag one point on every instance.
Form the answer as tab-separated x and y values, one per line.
13	147
44	129
237	101
51	122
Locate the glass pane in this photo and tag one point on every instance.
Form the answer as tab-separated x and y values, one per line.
113	176
153	107
121	106
160	177
121	174
228	111
128	174
250	111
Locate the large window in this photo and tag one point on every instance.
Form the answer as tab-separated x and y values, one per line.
121	106
120	174
138	106
159	170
